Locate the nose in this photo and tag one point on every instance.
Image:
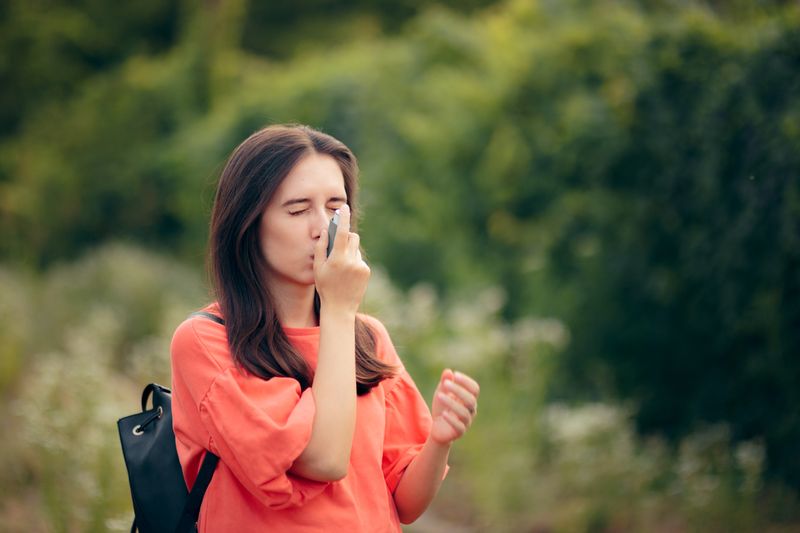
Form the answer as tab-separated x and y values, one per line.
318	221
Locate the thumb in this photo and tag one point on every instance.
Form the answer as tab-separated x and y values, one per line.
320	249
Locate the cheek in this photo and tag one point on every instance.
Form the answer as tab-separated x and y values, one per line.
279	243
271	247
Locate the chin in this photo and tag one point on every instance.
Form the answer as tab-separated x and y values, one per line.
303	279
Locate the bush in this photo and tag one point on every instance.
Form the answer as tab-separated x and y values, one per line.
525	464
90	335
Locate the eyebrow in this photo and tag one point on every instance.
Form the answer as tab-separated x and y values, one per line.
294	201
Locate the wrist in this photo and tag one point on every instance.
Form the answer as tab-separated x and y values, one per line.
334	314
438	446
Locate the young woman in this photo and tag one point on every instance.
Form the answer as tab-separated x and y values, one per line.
317	424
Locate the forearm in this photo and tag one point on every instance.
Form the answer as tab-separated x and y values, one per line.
421	481
327	454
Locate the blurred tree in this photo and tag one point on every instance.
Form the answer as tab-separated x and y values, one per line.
632	170
282	27
48	48
694	298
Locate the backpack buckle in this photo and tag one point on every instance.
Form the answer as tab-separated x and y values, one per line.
139	428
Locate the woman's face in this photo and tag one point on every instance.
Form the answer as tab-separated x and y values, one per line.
301	207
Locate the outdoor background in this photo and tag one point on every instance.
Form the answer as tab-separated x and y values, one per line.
591	206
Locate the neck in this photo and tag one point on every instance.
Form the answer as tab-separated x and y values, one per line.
294	305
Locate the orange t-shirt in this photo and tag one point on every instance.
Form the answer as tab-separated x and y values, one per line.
259	427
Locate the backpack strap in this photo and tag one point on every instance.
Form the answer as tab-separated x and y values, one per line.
210	316
148	391
192	509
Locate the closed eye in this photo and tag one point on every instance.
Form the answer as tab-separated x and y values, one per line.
329	207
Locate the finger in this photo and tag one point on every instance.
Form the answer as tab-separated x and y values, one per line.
447	375
457	424
353	244
468	383
455	407
467	398
361	259
343	231
321	248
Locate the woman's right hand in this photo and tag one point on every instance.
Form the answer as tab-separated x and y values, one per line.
341	278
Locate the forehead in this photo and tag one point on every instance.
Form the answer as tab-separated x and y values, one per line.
313	175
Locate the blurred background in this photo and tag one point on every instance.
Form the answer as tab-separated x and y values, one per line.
591	206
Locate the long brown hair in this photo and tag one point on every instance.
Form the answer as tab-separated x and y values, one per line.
250	178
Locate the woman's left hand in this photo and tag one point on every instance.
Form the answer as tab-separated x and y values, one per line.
455	405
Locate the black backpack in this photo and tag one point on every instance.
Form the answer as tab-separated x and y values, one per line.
161	503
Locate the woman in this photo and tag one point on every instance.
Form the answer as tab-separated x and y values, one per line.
317	424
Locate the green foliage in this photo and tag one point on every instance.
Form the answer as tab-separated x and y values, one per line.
283	28
528	464
628	167
691	298
91	334
48	48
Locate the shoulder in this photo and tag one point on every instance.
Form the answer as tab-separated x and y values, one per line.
379	331
200	340
384	347
375	325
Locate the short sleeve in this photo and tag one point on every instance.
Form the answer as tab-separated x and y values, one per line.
257	427
408	424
